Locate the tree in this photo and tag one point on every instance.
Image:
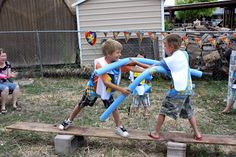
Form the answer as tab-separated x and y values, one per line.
191	15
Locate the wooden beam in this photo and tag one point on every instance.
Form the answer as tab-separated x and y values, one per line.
134	134
222	4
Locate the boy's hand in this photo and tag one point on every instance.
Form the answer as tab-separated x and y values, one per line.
126	91
14	74
132	61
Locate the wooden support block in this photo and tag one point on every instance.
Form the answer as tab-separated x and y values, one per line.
66	144
175	149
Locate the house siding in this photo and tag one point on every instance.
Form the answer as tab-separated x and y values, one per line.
100	15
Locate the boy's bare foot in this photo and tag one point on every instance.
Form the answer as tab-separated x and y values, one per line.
146	114
225	111
198	136
154	135
16	107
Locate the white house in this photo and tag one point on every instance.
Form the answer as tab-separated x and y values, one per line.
114	15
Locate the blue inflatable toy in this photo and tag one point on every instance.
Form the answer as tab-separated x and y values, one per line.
145	75
125	61
132	86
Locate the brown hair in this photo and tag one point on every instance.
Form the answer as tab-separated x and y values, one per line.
173	40
110	46
2	50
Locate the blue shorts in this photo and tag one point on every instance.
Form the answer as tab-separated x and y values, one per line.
11	86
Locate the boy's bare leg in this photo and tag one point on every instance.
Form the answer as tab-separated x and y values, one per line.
228	106
160	120
193	123
136	110
4	96
75	112
68	122
146	111
15	95
116	116
119	130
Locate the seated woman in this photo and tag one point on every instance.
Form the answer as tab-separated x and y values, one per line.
6	85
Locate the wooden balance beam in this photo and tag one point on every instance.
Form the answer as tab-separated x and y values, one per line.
133	134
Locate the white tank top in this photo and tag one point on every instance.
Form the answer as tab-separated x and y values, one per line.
114	77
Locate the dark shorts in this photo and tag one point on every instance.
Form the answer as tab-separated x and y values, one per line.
177	107
88	100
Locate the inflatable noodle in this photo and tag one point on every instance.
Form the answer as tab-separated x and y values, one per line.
132	86
125	61
3	76
122	62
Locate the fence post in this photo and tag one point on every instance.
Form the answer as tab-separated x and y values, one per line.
156	49
39	54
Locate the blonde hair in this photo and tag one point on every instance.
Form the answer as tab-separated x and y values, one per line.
110	46
173	40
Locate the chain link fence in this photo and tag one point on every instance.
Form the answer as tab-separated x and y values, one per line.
57	54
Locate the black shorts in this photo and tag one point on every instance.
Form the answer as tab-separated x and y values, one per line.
90	101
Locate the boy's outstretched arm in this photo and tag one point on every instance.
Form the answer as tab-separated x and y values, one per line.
132	67
134	62
111	85
137	69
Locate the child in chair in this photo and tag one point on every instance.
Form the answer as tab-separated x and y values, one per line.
6	85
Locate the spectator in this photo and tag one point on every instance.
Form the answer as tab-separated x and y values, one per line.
140	96
6	85
232	92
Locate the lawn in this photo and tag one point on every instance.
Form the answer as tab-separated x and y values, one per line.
49	100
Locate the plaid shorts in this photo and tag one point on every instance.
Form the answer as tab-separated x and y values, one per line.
177	107
232	94
141	99
89	99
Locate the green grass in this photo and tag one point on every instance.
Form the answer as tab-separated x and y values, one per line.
50	100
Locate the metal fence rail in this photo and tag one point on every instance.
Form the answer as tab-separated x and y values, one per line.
37	50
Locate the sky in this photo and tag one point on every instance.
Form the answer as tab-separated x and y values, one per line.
169	2
172	2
